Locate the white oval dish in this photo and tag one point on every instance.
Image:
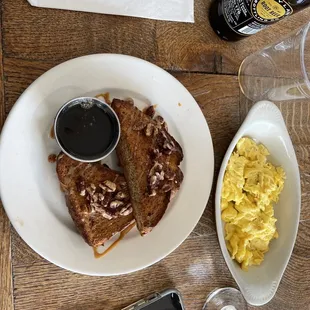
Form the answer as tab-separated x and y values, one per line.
264	123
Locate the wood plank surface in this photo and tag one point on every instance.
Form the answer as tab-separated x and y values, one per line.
200	266
47	34
2	106
6	288
33	40
6	292
193	276
195	47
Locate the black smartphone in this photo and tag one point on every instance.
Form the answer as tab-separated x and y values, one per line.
167	300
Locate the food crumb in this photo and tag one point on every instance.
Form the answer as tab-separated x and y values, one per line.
52	158
105	96
20	221
155	106
179	104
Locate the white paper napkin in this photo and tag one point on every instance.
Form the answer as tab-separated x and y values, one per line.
174	10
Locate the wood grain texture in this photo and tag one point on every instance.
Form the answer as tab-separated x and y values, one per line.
19	74
200	268
195	47
293	292
2	106
37	39
218	98
196	268
47	34
6	289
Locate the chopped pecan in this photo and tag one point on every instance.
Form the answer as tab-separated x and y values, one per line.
149	130
152	193
104	188
167	151
167	187
169	174
95	206
159	119
115	204
91	190
95	197
123	185
108	186
155	152
160	175
168	145
157	167
104	202
106	214
80	185
153	180
121	195
139	125
150	111
126	210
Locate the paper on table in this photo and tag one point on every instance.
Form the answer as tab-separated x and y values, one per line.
174	10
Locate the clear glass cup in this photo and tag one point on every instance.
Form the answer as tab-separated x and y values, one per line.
227	298
280	71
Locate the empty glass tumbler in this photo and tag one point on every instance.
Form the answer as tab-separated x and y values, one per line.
280	71
227	298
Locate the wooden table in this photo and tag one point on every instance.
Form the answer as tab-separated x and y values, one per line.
33	40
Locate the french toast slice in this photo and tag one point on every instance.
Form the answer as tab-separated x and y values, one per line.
97	199
150	157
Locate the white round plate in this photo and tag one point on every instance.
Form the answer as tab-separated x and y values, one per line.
29	186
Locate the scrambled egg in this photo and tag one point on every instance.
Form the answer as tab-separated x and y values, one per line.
251	185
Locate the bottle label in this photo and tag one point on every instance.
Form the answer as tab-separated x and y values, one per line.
247	17
270	10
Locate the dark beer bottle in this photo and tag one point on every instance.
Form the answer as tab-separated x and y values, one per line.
233	20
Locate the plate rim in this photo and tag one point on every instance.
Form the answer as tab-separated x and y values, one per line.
11	115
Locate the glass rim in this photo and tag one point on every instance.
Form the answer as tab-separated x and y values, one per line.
305	30
219	290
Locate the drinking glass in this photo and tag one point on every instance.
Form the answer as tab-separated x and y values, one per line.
227	298
281	71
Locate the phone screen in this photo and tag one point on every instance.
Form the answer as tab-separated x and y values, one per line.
168	302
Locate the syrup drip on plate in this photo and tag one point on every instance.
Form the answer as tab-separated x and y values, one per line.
114	244
52	133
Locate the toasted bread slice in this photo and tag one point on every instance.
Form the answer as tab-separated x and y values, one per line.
97	199
150	157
